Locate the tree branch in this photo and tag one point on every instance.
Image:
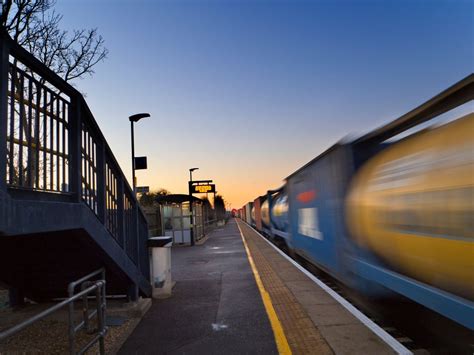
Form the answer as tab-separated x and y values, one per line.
35	25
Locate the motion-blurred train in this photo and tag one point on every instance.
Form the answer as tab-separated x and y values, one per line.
384	215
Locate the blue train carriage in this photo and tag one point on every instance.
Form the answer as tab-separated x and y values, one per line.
278	213
315	196
387	217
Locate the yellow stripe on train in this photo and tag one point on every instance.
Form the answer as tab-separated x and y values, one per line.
412	205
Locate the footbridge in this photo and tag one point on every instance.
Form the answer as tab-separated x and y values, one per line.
66	208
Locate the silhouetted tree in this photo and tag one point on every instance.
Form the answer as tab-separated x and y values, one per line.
207	209
147	199
34	25
219	205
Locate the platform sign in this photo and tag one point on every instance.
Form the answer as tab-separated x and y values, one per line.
202	189
140	163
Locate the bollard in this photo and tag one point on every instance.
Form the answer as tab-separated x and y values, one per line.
160	266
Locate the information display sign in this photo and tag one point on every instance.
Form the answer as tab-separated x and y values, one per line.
202	189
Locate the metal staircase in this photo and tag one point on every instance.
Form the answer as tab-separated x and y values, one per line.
66	208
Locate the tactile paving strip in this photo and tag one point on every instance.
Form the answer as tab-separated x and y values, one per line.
301	333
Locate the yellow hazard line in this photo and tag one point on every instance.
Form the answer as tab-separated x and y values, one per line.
279	334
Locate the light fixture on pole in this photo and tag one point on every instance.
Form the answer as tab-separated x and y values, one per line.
191	173
133	119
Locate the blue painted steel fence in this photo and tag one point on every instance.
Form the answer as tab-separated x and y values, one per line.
55	152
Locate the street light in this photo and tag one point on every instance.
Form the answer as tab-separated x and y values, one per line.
190	186
191	173
135	118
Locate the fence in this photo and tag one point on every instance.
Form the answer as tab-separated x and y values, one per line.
87	286
55	150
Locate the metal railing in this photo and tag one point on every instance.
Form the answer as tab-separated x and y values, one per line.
53	145
99	312
87	287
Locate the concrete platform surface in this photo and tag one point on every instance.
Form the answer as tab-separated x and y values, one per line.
333	328
215	308
236	294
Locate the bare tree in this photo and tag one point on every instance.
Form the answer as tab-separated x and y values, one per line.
35	25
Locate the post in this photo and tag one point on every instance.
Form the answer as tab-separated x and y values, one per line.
135	118
137	231
120	211
215	209
4	53
191	231
101	183
72	330
75	147
132	292
134	183
85	306
100	317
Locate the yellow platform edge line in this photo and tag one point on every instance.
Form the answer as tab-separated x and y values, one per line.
278	332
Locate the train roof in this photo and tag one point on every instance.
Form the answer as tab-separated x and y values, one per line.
454	96
330	149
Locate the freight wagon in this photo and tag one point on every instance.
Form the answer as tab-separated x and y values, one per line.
386	216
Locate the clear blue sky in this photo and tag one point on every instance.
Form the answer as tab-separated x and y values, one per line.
250	90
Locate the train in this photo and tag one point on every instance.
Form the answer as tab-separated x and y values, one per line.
387	216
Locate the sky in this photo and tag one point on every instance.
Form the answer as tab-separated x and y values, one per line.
249	91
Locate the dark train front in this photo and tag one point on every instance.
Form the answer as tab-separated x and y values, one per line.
388	216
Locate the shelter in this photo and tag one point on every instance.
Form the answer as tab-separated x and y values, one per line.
175	217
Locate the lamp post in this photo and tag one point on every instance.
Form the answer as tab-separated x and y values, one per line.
133	119
190	186
191	173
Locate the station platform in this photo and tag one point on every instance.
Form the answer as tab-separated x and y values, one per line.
236	293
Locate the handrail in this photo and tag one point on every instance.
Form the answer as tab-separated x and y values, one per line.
62	149
101	137
100	312
34	64
97	286
19	327
72	285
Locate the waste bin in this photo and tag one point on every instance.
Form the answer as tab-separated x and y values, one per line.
160	266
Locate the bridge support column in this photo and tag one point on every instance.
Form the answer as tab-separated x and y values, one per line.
132	292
